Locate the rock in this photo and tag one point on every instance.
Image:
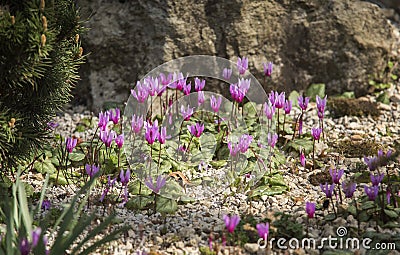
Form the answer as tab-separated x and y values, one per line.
180	245
339	42
251	247
395	98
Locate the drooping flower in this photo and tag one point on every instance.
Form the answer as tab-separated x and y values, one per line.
263	230
107	137
215	103
91	170
268	69
303	102
24	246
244	85
321	103
109	185
372	192
233	148
151	132
186	113
186	88
242	65
227	73
288	106
327	189
302	159
196	129
162	136
46	204
115	115
160	183
71	143
103	120
316	133
35	236
348	189
310	209
269	110
388	195
119	140
280	100
236	93
244	142
124	177
142	92
152	85
376	179
272	139
165	80
231	222
199	84
272	97
336	175
200	97
137	123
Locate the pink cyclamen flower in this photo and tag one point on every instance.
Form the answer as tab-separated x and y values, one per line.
162	136
272	97
302	159
321	103
372	192
272	139
196	129
186	113
376	179
119	140
242	65
107	137
336	175
151	133
348	189
124	177
244	85
236	93
137	123
103	120
303	102
46	204
288	106
227	73
280	100
165	80
215	103
244	142
268	69
388	195
141	93
231	222
233	148
91	170
71	144
35	236
269	110
316	133
115	115
152	85
327	189
199	84
186	88
200	97
110	184
263	230
310	209
160	183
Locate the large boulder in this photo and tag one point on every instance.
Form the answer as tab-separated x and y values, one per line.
338	42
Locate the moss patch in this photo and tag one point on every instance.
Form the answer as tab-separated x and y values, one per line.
339	107
353	149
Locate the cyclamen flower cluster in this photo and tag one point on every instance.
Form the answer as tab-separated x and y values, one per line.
153	132
277	101
241	146
25	247
108	136
377	161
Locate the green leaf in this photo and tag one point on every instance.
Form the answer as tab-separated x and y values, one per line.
76	156
250	109
293	96
139	202
352	210
316	90
391	213
383	98
368	205
302	143
165	205
45	166
218	164
330	217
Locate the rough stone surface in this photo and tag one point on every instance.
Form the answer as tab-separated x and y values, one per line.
338	42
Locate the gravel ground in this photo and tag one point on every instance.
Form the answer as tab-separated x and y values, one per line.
190	227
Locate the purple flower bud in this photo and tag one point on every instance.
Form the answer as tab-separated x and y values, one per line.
137	123
303	102
107	137
200	97
288	106
272	139
268	69
327	189
103	120
244	142
115	115
242	65
376	179
35	236
372	192
24	246
316	133
233	149
336	175
91	170
152	132
119	140
199	84
196	129
141	92
269	110
186	113
280	101
215	103
348	189
302	159
46	204
160	183
227	73
124	177
71	143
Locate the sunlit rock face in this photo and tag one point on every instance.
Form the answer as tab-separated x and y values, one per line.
337	42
